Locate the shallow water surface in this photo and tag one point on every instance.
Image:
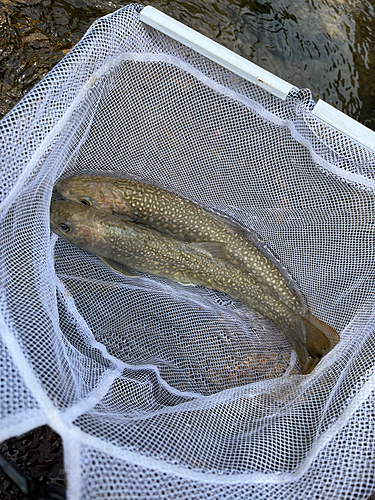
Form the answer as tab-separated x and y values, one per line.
322	45
326	46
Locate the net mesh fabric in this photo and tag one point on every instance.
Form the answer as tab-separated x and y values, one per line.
159	389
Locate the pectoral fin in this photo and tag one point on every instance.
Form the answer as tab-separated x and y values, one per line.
319	340
143	223
119	268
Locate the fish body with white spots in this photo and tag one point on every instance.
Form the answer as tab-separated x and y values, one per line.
182	219
125	245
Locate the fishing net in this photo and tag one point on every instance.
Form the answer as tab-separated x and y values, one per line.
160	390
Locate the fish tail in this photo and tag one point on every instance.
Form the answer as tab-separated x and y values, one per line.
307	361
320	338
317	339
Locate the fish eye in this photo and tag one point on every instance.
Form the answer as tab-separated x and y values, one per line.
85	201
64	227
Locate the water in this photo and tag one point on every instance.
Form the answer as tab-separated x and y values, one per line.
322	45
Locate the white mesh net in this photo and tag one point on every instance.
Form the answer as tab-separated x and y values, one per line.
165	391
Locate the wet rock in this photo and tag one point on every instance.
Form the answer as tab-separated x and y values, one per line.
36	35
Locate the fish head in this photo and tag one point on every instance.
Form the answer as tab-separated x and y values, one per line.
76	223
98	192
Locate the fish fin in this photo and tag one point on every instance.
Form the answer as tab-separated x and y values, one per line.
328	331
307	360
319	339
186	280
318	336
119	268
213	248
134	220
159	229
309	365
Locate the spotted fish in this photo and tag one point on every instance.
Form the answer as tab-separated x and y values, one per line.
175	216
127	246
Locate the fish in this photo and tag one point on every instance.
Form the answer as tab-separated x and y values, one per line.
175	216
182	219
130	248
